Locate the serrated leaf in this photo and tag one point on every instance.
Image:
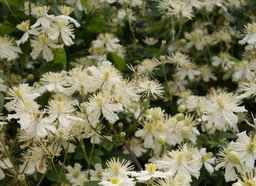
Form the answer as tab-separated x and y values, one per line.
1	102
118	61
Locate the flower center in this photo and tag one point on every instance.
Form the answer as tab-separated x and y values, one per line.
151	168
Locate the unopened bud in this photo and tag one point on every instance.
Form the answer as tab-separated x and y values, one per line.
161	140
122	134
181	108
184	131
21	177
120	125
183	41
30	77
233	157
179	116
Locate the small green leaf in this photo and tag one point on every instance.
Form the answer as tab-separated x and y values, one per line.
60	57
92	183
118	61
4	77
6	28
58	175
1	102
13	2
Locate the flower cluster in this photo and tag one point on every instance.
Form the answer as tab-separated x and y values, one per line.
128	92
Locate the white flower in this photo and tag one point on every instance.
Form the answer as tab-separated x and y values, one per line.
24	26
102	104
66	10
61	27
244	70
136	146
115	167
248	88
207	160
103	76
40	12
117	181
75	175
223	60
149	173
185	161
230	160
36	124
18	93
63	112
221	109
195	39
7	48
55	81
246	148
250	37
150	88
43	44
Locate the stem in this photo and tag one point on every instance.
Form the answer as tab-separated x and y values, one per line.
136	161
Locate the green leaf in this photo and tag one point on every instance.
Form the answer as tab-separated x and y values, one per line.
92	183
13	2
1	102
118	61
60	57
6	28
58	175
4	77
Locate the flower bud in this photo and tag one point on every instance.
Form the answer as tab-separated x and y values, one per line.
161	140
181	108
233	157
184	131
179	116
122	134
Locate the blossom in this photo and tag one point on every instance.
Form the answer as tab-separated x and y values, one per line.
250	37
66	10
61	27
244	70
75	175
220	111
246	178
207	159
102	104
230	160
7	48
150	87
18	93
248	88
40	12
136	146
116	167
149	173
55	81
195	39
36	124
185	162
117	181
43	44
63	112
246	148
24	26
105	75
